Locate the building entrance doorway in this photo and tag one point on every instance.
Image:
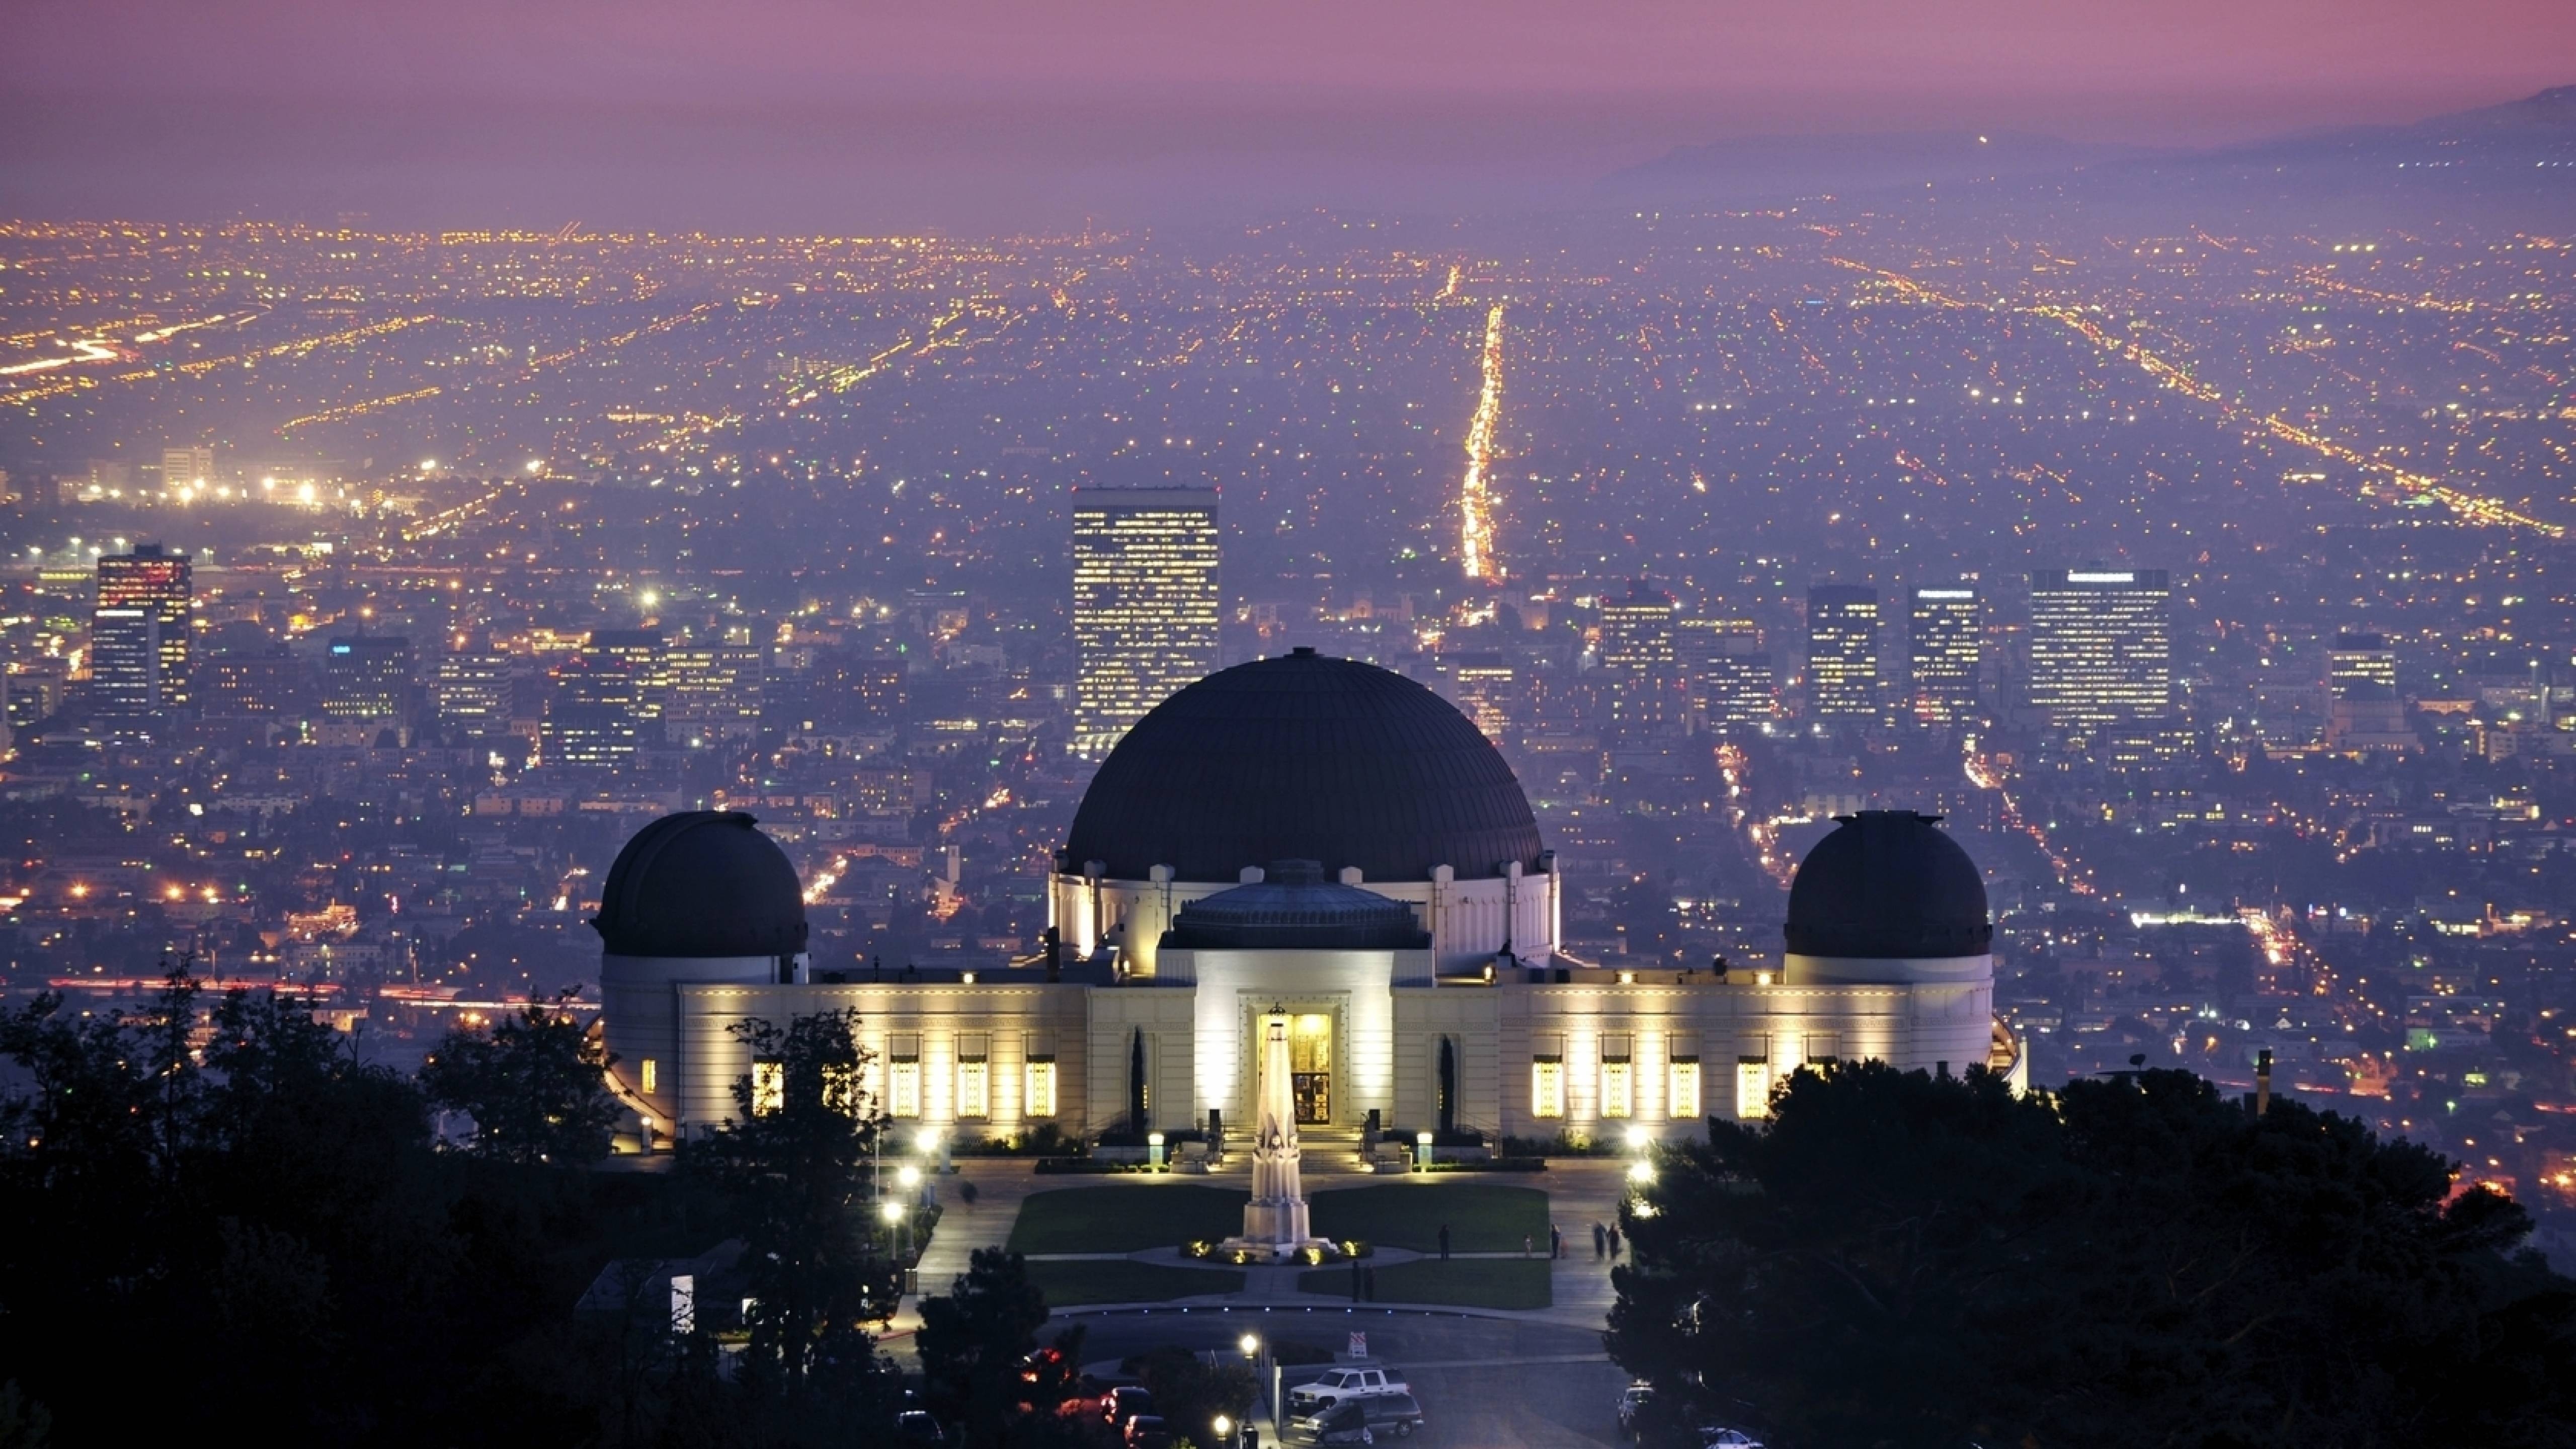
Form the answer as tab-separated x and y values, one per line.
1310	1066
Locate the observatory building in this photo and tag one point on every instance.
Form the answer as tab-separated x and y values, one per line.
1325	840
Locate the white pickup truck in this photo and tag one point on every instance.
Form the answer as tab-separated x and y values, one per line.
1345	1383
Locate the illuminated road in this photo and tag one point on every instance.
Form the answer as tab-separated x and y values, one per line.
1475	490
2467	506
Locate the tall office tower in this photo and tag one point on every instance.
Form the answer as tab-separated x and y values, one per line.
1145	603
2361	659
472	689
1742	692
1699	640
1842	652
591	722
159	584
125	672
2101	647
1945	639
366	677
186	467
1489	692
640	653
846	690
716	691
1638	654
257	681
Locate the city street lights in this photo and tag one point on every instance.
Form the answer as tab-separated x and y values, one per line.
1224	1429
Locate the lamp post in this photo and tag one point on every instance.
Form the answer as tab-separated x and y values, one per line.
895	1214
1224	1429
1254	1353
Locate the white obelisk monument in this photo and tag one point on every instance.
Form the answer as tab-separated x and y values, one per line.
1274	1222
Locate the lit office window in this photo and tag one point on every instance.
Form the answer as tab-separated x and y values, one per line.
1682	1087
768	1087
651	1074
903	1089
1041	1088
1547	1087
1752	1087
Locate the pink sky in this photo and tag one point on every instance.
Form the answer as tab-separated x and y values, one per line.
970	89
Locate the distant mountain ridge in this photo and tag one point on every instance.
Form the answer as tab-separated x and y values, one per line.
2525	147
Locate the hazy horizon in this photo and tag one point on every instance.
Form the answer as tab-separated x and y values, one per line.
792	115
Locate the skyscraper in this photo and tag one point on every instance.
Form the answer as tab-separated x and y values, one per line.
1945	638
640	654
366	677
1638	653
2101	647
472	689
139	636
1842	652
186	467
716	693
1145	603
1489	692
2361	660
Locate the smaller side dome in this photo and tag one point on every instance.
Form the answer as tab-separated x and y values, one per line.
1886	885
1294	908
703	884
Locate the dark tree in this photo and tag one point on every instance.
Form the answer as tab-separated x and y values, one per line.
1190	1393
797	1161
1903	1260
977	1346
535	1086
1448	1106
1136	1083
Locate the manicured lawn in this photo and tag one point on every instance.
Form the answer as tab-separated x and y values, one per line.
1124	1218
1482	1217
1464	1282
1070	1281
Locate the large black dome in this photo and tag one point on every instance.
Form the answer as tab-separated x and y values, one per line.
702	883
1303	757
1886	885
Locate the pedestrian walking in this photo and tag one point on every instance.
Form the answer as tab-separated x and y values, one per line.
1525	1245
966	1194
1600	1241
1444	1242
1555	1241
1614	1245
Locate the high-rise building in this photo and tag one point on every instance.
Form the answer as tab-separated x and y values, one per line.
1842	652
472	689
716	692
2101	647
640	654
259	681
846	690
125	672
187	467
1145	603
591	721
158	583
1743	692
2361	659
1488	691
1945	640
1638	654
366	677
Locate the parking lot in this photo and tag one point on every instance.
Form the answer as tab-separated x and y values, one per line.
1481	1381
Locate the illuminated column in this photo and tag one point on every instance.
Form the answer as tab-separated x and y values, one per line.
1276	1216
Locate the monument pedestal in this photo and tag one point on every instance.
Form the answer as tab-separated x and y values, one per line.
1274	1222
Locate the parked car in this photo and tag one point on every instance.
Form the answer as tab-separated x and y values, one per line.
1362	1420
916	1426
1124	1403
1717	1436
1146	1431
1338	1384
1632	1404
